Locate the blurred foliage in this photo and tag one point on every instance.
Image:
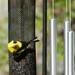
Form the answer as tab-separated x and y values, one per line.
3	38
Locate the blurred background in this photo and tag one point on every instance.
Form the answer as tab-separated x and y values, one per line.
60	16
3	37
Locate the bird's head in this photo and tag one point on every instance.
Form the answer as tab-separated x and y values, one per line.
14	46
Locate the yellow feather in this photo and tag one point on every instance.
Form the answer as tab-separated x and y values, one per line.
13	47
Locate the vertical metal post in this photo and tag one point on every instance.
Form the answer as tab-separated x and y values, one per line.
21	15
44	54
71	53
53	50
66	48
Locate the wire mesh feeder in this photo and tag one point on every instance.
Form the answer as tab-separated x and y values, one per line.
22	27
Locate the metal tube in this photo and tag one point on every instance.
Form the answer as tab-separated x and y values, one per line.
53	50
44	52
71	53
66	47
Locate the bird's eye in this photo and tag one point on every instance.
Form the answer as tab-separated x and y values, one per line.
14	42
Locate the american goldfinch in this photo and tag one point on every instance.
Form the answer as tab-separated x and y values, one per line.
17	47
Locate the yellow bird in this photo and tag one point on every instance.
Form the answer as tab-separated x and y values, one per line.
17	47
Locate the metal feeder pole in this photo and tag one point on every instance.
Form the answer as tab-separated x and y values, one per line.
44	54
71	53
66	47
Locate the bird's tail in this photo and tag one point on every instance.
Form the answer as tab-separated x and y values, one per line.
33	40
